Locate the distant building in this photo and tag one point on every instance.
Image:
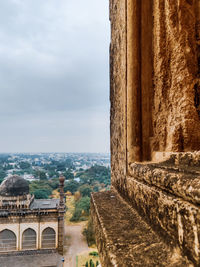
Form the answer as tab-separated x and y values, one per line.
29	177
27	223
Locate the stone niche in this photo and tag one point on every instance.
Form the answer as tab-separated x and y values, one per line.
151	217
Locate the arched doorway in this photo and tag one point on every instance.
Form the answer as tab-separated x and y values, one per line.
29	239
48	238
7	240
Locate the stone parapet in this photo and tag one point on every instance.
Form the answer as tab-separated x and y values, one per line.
16	202
179	175
124	239
166	196
173	218
155	137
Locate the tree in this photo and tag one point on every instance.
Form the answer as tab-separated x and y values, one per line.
61	167
52	174
84	204
95	173
71	186
86	265
89	233
85	190
41	194
76	215
68	175
7	167
82	208
54	183
24	165
42	176
91	263
43	185
96	188
94	253
2	174
77	196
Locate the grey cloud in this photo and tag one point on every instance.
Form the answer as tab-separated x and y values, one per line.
54	60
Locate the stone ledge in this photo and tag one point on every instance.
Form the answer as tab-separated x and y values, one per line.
171	217
183	183
28	252
124	239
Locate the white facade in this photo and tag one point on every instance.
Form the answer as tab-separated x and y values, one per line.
19	228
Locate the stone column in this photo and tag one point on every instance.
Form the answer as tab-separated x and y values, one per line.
61	216
134	116
146	77
39	239
197	9
19	236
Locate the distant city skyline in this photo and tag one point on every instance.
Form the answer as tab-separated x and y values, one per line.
54	76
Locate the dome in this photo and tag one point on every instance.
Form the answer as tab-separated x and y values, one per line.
14	186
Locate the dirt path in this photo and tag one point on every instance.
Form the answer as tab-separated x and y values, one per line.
75	244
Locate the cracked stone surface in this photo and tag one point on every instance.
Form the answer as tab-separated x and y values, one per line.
124	239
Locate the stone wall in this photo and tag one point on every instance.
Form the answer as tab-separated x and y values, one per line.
118	88
124	239
155	131
154	109
176	120
18	225
154	70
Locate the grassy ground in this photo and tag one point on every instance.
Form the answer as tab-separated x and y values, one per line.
70	203
84	257
55	194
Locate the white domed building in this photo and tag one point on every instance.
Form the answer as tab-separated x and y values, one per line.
27	223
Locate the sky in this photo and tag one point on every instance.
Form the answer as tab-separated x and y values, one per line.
54	75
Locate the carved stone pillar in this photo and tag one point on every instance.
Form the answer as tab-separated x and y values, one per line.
61	229
134	116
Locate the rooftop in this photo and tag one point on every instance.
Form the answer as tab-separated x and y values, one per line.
44	204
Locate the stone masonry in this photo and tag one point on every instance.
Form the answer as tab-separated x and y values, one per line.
151	217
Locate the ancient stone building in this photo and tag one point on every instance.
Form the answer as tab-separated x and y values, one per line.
151	217
27	223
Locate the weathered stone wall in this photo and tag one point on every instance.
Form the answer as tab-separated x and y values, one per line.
176	121
167	196
18	225
155	95
118	89
124	239
154	108
155	103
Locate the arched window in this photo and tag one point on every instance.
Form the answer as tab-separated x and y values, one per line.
29	239
48	238
7	240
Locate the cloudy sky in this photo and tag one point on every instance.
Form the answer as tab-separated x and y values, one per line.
54	76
